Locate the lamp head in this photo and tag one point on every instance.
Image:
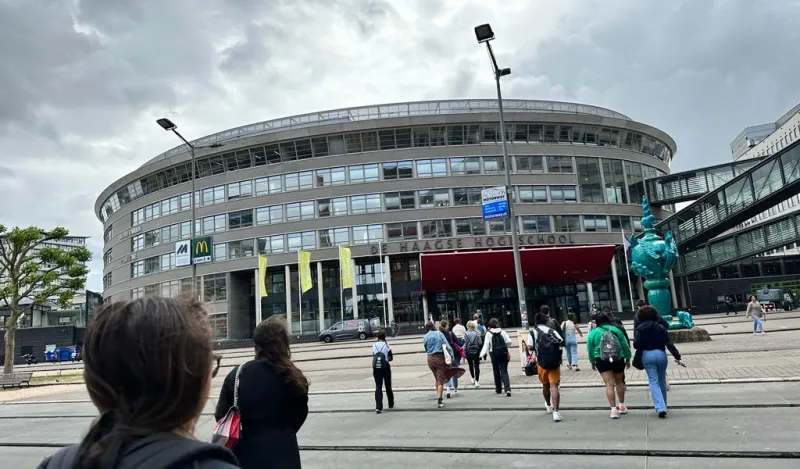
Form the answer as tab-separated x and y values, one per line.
484	33
166	124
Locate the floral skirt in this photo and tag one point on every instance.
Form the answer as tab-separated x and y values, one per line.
441	370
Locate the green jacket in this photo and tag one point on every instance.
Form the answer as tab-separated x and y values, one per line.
593	342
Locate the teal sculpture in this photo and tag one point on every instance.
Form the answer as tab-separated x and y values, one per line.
652	257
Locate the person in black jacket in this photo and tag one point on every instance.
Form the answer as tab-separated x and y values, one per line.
273	401
147	367
652	339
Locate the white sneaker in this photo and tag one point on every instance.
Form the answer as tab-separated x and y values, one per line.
473	381
477	384
556	416
456	392
548	408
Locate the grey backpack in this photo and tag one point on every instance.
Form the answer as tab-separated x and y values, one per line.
610	348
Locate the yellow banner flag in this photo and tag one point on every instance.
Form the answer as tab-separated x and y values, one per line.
304	260
346	267
262	272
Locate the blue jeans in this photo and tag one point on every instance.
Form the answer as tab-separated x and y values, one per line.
655	364
572	349
453	383
758	326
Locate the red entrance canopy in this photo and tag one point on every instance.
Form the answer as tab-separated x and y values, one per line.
495	269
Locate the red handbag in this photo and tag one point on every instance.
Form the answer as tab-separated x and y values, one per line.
228	430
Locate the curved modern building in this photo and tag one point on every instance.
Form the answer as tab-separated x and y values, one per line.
401	185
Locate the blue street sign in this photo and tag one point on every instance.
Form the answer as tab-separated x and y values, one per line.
494	202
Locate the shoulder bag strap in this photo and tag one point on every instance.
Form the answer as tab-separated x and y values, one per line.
236	385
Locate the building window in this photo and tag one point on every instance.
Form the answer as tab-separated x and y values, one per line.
431	168
367	203
108	234
635	181
296	181
108	258
269	215
271	244
493	165
470	227
399	200
304	240
500	227
531	194
620	223
215	287
563	194
334	237
430	198
615	182
171	289
221	252
559	164
402	231
276	282
436	229
137	269
269	185
137	292
238	190
331	177
566	223
467	195
536	224
137	243
589	180
398	170
363	173
213	224
332	207
211	195
106	280
367	234
241	219
530	164
241	248
595	223
461	166
167	262
300	211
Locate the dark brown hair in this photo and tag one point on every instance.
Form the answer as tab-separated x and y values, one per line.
443	324
382	334
272	348
571	317
429	326
493	324
146	365
647	313
545	310
540	319
457	320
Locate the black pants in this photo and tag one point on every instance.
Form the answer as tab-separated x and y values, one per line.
500	371
474	367
381	377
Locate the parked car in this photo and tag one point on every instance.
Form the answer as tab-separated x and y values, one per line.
351	329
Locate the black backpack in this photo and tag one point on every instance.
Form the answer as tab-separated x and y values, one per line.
548	349
499	347
472	346
380	360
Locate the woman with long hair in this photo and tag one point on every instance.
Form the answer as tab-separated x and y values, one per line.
653	340
147	366
756	311
436	346
273	401
473	343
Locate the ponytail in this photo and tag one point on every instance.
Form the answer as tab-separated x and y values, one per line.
106	440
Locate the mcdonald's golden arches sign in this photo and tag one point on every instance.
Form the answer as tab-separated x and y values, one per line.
201	250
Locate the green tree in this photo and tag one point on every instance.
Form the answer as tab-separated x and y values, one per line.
32	269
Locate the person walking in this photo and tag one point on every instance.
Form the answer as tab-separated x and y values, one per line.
149	403
451	387
382	371
608	350
272	400
547	343
436	347
459	330
473	343
497	345
756	311
651	339
571	330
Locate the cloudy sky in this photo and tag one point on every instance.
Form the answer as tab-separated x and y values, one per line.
82	81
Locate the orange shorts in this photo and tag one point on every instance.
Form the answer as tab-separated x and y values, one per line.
549	376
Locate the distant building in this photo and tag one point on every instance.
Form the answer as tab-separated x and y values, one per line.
767	139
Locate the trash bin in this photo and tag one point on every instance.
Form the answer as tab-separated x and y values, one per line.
64	354
48	356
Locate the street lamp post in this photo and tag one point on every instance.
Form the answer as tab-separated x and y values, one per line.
168	125
484	34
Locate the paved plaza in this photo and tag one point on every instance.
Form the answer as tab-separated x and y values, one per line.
734	406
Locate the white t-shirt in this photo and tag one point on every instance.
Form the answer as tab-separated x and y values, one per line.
381	346
569	327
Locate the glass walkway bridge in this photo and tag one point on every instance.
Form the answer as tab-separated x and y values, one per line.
764	184
691	185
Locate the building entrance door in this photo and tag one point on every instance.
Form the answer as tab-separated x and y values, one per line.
505	311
